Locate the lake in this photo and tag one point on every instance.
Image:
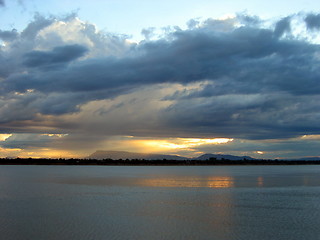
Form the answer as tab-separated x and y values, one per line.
160	202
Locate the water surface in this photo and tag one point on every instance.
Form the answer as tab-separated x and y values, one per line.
153	202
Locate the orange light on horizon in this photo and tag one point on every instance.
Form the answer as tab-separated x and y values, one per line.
40	153
182	143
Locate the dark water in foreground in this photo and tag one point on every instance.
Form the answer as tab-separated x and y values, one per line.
125	202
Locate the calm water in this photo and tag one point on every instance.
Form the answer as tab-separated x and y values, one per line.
165	203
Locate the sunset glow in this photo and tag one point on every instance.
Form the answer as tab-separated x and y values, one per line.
3	137
171	119
181	143
236	78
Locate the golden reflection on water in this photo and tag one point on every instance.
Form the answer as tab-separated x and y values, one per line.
210	182
260	181
221	182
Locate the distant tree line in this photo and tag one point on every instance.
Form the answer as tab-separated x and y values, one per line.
144	162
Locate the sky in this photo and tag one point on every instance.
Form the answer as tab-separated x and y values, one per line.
171	77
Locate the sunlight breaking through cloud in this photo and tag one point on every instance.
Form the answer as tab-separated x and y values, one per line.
249	81
184	143
3	137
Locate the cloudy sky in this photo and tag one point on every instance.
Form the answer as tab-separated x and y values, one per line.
173	77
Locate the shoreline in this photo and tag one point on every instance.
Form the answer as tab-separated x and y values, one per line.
139	162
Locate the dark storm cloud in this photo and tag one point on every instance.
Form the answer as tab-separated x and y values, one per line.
256	83
289	148
252	58
31	141
26	141
313	21
59	55
251	116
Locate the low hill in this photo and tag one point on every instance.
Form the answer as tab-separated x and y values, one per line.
131	155
149	156
207	156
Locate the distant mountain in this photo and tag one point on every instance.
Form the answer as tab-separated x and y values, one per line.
220	156
149	156
132	155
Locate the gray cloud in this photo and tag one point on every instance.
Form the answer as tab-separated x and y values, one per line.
288	148
59	55
313	21
148	33
192	56
33	28
24	141
255	82
8	35
249	20
250	116
282	26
